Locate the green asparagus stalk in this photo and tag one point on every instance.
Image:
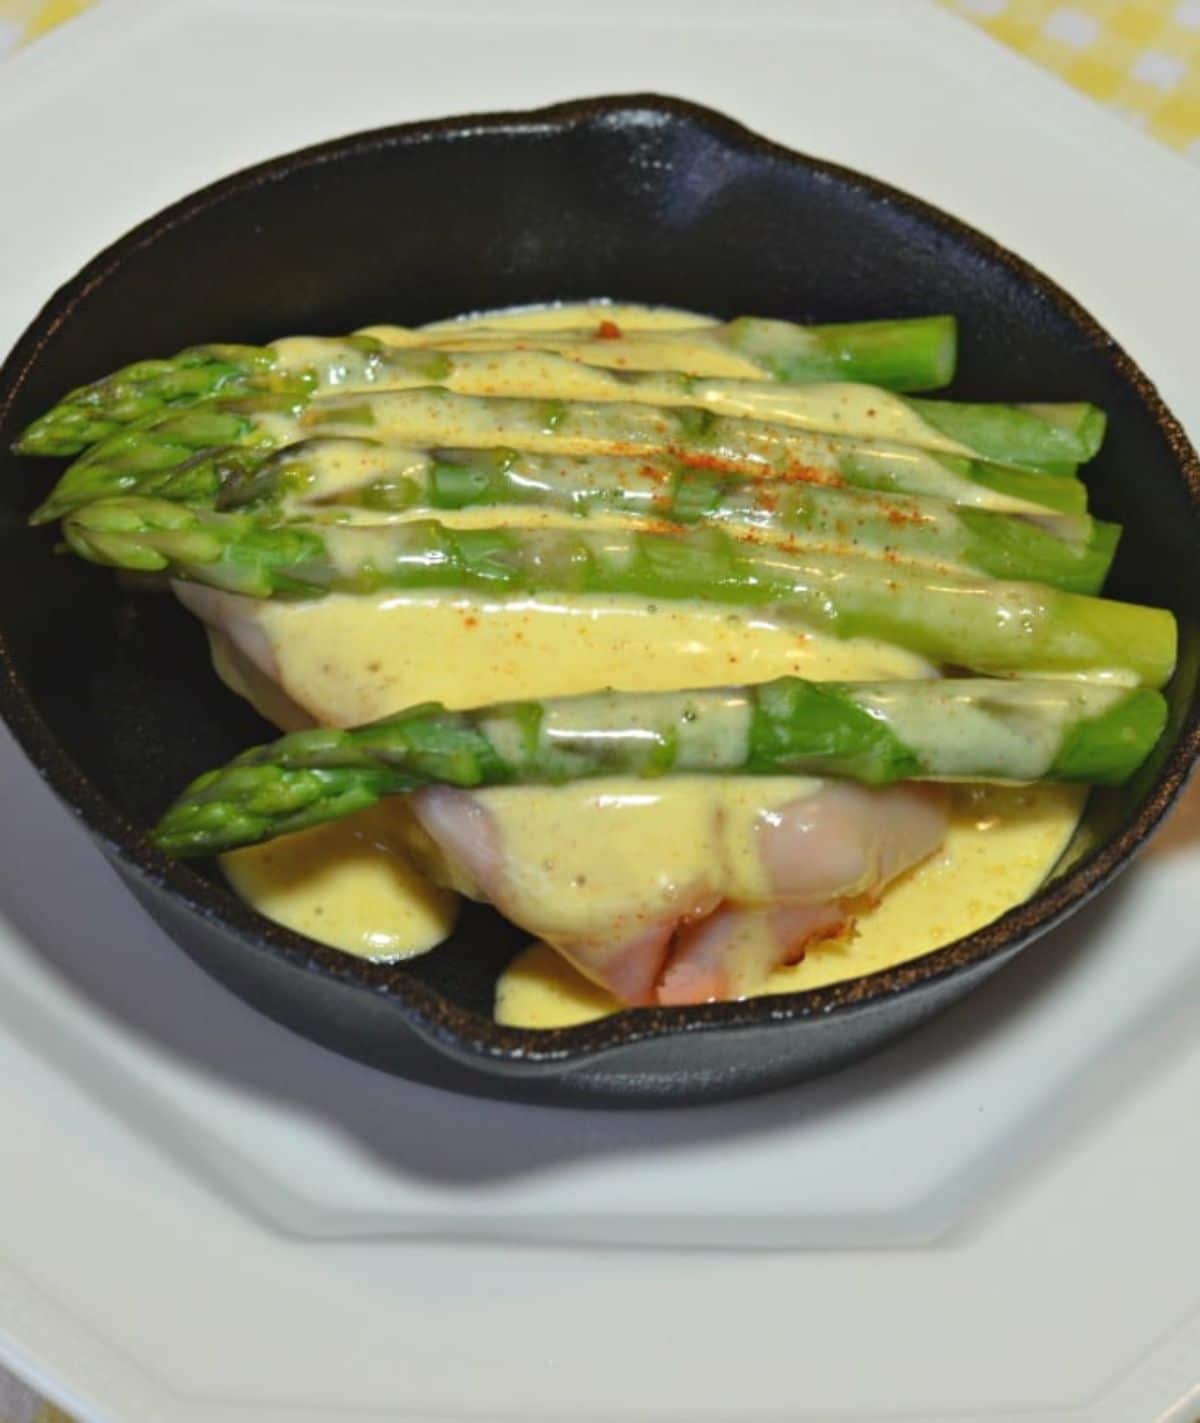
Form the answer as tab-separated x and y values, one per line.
876	733
1053	438
913	354
91	413
1071	552
147	390
986	626
904	355
1014	490
918	354
1048	438
325	479
131	460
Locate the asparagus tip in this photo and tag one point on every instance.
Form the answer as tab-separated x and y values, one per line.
47	512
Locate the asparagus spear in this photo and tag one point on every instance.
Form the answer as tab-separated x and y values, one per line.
1072	552
1048	438
871	732
916	354
130	460
147	390
1053	438
987	626
906	355
1067	551
913	354
323	479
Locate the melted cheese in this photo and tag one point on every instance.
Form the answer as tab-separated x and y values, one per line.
1002	842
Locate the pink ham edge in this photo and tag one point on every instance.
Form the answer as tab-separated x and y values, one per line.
710	957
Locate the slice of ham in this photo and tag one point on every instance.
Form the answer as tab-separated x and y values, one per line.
823	853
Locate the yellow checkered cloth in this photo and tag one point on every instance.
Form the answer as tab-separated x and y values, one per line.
27	19
1139	57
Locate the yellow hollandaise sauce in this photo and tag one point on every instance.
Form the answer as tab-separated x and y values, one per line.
1002	842
349	884
665	836
349	659
343	660
578	325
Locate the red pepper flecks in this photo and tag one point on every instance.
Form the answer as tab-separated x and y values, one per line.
608	331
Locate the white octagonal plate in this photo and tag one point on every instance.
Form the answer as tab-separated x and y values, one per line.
208	1220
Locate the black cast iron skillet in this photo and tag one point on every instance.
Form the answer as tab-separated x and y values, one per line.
642	199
